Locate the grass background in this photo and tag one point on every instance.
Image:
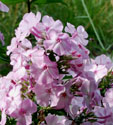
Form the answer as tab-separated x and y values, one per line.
73	11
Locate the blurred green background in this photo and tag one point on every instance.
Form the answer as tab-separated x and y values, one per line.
95	15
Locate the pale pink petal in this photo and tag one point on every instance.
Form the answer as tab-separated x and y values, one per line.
3	7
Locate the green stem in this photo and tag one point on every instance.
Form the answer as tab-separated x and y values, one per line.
96	33
28	4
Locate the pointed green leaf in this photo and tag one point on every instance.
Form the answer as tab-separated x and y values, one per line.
13	1
48	1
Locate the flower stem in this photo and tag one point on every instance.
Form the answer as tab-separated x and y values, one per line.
96	33
28	4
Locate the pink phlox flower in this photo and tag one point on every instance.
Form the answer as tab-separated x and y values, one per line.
64	100
91	93
5	86
45	71
13	46
33	54
76	107
50	24
14	98
3	7
26	24
77	63
82	50
25	44
103	115
3	118
88	86
20	73
58	42
19	46
10	97
74	82
17	61
41	30
108	99
104	60
47	94
56	120
2	39
98	71
24	111
79	34
37	55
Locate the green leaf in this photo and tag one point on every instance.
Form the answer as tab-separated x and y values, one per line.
66	77
4	59
5	69
3	56
12	1
10	121
48	1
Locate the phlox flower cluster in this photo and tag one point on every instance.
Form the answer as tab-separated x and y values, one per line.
52	70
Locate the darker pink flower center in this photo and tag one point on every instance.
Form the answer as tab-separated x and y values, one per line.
58	40
79	65
45	67
64	94
22	111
